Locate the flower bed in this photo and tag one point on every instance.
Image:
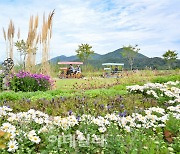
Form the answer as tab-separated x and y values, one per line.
27	82
168	91
37	130
148	131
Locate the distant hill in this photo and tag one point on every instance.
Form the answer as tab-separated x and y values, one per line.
141	61
95	56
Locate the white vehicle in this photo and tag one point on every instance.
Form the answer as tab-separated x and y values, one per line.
112	69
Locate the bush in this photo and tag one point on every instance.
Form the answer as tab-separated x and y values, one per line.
27	82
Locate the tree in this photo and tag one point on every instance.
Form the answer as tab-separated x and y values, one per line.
130	53
84	51
23	48
170	56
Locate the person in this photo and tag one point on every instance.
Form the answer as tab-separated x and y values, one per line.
116	69
78	69
70	70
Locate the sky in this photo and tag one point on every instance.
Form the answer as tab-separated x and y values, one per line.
104	24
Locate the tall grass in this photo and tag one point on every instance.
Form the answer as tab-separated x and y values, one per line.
46	35
32	41
8	37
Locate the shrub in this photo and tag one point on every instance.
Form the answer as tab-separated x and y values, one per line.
27	82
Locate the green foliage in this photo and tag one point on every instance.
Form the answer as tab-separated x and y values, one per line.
82	97
84	51
13	96
173	125
57	102
28	84
163	79
34	96
130	52
170	56
136	142
79	95
23	48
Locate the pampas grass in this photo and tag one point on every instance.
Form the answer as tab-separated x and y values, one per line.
18	34
46	35
32	41
8	37
11	31
5	38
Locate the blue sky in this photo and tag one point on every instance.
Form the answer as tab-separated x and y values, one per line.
105	24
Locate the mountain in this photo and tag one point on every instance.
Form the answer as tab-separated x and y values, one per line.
95	56
63	58
140	62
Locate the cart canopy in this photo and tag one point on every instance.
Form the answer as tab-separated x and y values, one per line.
113	64
68	63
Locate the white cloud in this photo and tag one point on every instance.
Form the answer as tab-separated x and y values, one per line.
106	24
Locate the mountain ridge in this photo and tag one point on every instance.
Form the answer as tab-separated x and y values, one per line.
140	62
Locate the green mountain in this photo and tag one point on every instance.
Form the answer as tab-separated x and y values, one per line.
140	62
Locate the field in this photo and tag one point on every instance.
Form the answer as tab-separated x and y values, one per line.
95	115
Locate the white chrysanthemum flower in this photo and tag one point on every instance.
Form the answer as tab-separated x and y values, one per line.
111	117
102	129
43	129
12	146
32	132
57	120
170	149
12	117
153	93
64	123
31	111
127	128
80	136
171	102
32	136
95	137
174	109
6	108
36	139
6	126
72	120
39	120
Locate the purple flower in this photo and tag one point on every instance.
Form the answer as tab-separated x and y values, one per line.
70	112
109	106
78	118
121	105
122	114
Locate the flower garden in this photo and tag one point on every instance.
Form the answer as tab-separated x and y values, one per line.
138	113
113	111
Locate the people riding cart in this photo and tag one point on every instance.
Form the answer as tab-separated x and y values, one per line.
70	71
112	69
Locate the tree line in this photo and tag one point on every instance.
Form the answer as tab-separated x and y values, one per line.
84	52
